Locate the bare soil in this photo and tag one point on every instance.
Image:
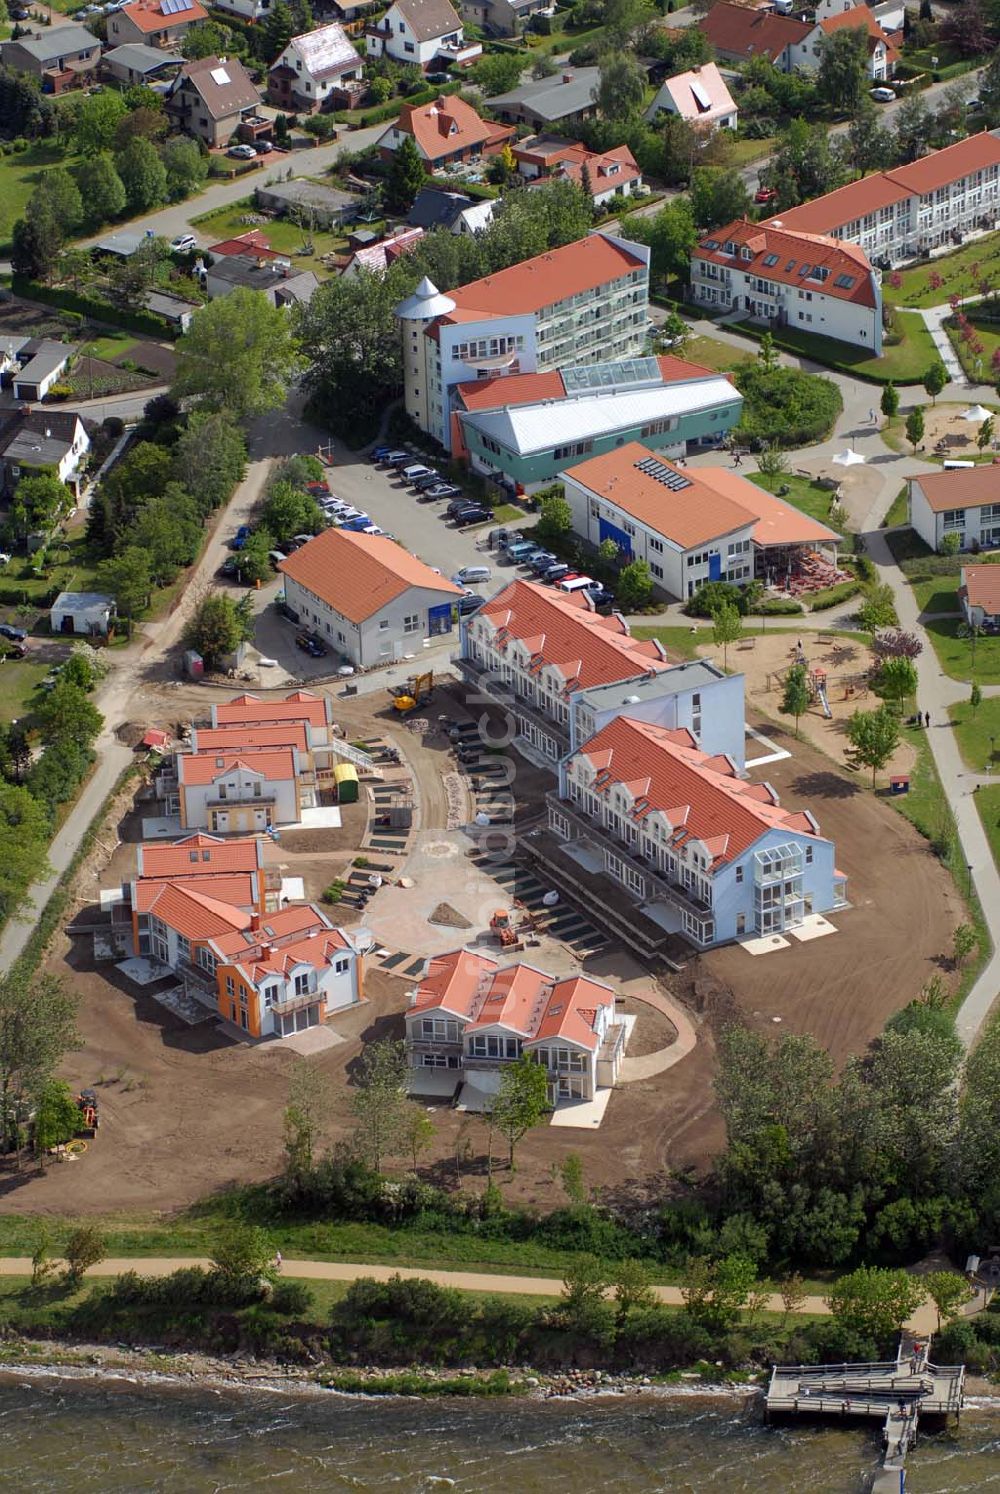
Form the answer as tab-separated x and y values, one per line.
186	1111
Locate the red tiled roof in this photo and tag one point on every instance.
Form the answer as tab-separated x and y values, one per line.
751	33
253	243
550	277
377	257
981	586
316	949
150	16
507	390
301	705
235	738
448	124
359	574
519	998
854	19
883	188
793	253
701	796
961	487
565	634
570	160
234	889
197	768
197	856
713	501
194	914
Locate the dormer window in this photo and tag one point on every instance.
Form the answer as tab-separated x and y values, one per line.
746	253
729	247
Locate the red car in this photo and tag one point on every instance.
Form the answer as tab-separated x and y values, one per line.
765	194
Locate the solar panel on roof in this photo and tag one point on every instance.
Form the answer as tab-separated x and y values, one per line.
627	372
675	481
174	7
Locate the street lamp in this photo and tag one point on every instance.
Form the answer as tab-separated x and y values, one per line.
968	870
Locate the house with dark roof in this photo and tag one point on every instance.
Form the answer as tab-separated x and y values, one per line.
565	98
428	33
320	206
212	97
137	62
738	32
49	440
435	208
61	57
367	597
277	279
444	131
318	70
775	275
155	23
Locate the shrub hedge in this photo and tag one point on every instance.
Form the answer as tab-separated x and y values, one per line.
90	306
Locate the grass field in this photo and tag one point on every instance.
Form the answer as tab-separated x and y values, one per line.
905	361
285	238
711	353
899	513
956	272
682	641
808	497
988	808
978	733
988	333
955	652
19	175
19	679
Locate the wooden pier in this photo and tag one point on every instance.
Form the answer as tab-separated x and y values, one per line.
897	1391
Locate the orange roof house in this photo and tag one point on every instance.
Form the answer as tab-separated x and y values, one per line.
738	32
445	130
571	270
979	593
155	23
542	157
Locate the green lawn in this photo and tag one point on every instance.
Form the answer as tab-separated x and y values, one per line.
682	641
905	361
19	175
745	152
711	353
937	594
956	274
19	679
67	570
974	731
988	806
955	653
286	238
899	513
804	494
934	578
987	333
109	346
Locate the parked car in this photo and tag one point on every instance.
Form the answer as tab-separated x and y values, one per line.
540	563
520	550
16	635
470	601
557	572
240	538
393	456
765	194
379	453
415	470
355	526
242	153
473	514
372	529
276	557
262	147
600	596
298	540
21	13
441	490
310	645
183	244
470	574
4	558
229	570
972	106
882	95
427	481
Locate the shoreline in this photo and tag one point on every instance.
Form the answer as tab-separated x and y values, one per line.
129	1368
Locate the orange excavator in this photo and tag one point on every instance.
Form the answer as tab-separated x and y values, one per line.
502	928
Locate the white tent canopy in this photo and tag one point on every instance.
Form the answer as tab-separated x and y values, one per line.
848	458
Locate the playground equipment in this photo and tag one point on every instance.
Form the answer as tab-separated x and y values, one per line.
416	692
817	684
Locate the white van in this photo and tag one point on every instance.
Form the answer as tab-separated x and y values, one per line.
950	466
470	574
574	583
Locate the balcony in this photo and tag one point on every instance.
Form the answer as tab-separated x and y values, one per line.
658	884
285	1004
262	801
435	1045
505	694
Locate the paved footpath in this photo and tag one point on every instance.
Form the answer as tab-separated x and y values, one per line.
922	1320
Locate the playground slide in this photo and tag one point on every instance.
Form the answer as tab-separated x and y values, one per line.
821	693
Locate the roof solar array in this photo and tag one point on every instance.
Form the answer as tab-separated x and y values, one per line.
174	7
675	481
630	372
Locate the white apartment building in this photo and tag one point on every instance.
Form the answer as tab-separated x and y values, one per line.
964	501
785	278
905	213
585	302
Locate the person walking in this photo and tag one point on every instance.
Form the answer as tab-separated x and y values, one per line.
927	718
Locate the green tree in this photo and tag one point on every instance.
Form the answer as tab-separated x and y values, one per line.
238	355
623	19
351	345
795	695
842	79
418	1132
935	379
878	608
898	677
39	503
185	165
964	942
97	120
85	1247
380	1102
874	737
216	628
984	435
670	236
975	697
869	144
792	1292
66	713
143	175
634	586
142	122
585	1285
889	403
949	544
520	1102
130	279
101	188
212	39
555	517
680	146
57	1117
288	511
244	1253
58	192
633	1289
127	578
948	1291
279	28
571	1175
715	1291
496	72
36	242
621	88
989	92
210	458
37	1030
803	165
772	463
254	560
727	628
767	353
914	125
875	1302
306	1109
718	196
405	177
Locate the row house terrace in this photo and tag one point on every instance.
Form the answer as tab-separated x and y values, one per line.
698	850
563	671
470	1016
